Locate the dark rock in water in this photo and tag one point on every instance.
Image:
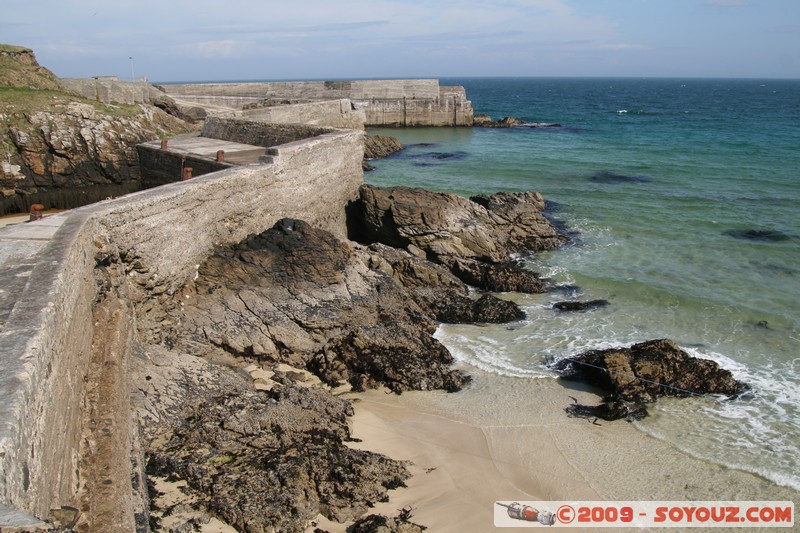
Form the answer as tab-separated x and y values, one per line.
473	237
507	276
579	306
432	158
572	290
485	121
378	146
758	235
640	374
614	178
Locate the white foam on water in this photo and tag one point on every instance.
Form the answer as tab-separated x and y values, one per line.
757	433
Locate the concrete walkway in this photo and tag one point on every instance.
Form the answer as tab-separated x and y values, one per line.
20	248
237	153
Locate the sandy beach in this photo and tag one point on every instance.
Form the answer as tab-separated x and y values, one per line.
509	439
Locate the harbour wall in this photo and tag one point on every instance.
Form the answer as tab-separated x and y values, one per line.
390	103
66	440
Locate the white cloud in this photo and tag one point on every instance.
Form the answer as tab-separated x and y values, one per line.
215	49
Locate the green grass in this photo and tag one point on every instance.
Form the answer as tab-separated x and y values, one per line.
12	48
19	100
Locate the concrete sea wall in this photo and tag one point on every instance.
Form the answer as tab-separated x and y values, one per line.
333	114
63	440
111	90
394	103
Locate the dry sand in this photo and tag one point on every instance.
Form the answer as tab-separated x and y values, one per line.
509	439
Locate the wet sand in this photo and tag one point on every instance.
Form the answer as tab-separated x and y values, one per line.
509	439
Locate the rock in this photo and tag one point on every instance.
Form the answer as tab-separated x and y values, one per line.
458	232
579	306
485	121
64	150
260	461
640	374
758	235
378	146
508	276
190	114
614	178
348	313
375	523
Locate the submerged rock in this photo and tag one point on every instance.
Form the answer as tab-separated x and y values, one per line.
614	178
579	306
758	235
640	374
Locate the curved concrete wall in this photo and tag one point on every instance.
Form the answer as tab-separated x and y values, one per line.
162	234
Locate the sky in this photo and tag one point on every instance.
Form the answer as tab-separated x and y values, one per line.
231	40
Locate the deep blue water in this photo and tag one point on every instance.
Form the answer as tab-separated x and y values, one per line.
684	198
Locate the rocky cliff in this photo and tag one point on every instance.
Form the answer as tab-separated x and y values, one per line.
62	150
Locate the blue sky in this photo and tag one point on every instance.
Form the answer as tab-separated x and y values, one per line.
325	39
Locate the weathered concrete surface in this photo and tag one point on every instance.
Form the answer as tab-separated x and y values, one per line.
396	103
204	146
311	90
228	206
161	235
45	343
258	133
333	114
111	90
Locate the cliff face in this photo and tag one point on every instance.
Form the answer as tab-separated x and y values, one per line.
62	150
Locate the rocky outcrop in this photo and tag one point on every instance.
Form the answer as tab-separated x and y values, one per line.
62	150
259	460
378	146
485	121
632	377
349	313
473	237
265	450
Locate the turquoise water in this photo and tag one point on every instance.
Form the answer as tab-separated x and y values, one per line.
659	181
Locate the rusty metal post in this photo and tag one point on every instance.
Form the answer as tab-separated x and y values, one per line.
36	212
187	173
220	156
164	144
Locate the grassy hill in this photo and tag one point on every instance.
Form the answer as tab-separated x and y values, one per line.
19	68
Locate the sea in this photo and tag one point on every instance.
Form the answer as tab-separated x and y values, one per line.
681	198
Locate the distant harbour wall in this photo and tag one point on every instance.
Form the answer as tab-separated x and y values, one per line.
390	103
